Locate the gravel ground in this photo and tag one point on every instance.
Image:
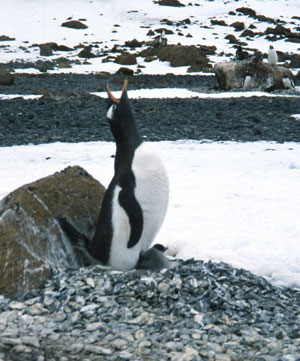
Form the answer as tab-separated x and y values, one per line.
194	311
68	113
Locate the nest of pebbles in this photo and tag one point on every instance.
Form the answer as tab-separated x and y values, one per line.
193	311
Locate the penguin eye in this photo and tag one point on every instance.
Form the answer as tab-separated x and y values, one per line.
111	111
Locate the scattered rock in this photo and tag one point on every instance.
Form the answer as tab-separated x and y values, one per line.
126	59
134	43
125	71
232	39
6	38
218	22
247	11
169	3
46	49
74	24
86	53
32	244
238	25
6	78
295	61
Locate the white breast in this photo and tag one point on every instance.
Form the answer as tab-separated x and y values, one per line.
152	193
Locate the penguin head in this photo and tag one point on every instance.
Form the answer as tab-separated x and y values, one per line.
153	259
119	114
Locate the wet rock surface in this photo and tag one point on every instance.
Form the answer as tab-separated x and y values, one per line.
194	311
32	245
67	111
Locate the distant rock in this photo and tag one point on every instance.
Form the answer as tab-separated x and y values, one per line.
46	49
238	25
134	43
86	53
6	38
126	59
74	24
125	71
32	245
6	78
169	3
231	75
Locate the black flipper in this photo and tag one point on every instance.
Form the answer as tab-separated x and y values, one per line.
78	240
132	208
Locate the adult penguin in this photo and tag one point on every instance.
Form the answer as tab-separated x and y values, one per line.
136	200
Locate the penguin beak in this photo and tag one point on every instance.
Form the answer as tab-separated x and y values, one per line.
111	97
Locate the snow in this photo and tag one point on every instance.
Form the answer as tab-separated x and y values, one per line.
232	202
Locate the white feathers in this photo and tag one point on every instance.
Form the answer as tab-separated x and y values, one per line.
247	82
272	56
287	82
110	112
152	193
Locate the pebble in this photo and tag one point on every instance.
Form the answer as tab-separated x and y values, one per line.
193	311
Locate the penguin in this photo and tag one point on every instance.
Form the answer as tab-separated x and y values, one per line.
272	56
136	200
287	82
240	54
153	259
162	39
247	80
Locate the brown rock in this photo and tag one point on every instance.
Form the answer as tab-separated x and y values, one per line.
6	78
6	38
238	25
126	59
74	24
187	55
231	75
124	71
46	49
169	3
218	22
232	39
86	53
134	43
32	245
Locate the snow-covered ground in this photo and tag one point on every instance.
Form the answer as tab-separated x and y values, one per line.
232	202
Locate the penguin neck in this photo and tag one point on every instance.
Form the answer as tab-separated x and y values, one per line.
126	146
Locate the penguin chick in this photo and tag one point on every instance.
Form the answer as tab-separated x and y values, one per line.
272	56
153	259
287	82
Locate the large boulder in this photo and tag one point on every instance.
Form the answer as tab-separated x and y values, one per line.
6	78
32	244
231	75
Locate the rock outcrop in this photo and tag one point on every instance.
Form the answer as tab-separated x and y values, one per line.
32	245
231	75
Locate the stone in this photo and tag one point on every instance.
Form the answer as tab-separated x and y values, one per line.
231	75
6	78
6	38
86	53
74	24
169	3
124	71
32	244
46	49
126	59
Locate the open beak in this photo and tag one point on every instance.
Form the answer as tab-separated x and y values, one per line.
115	100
